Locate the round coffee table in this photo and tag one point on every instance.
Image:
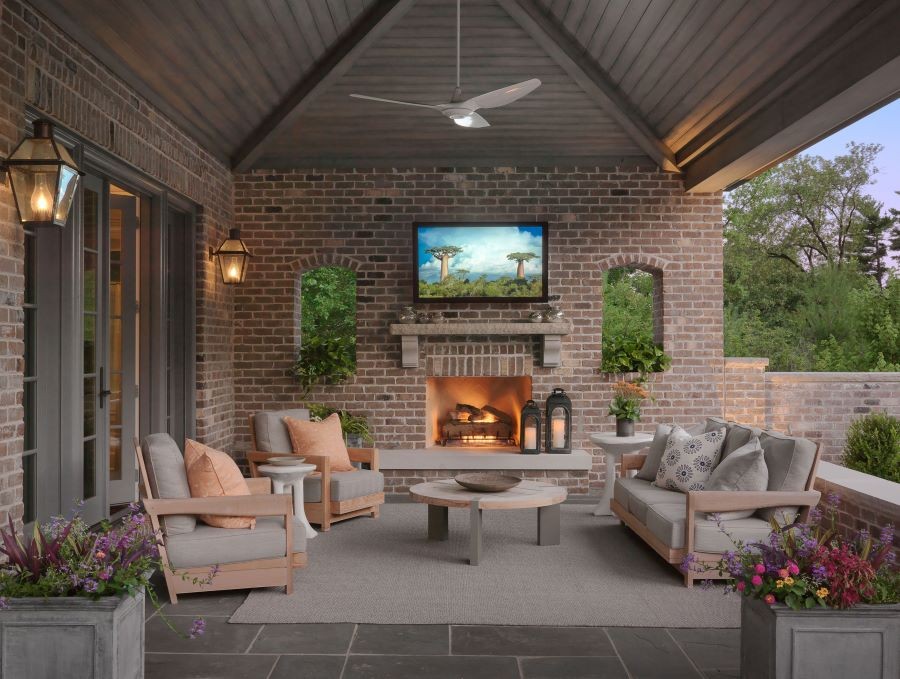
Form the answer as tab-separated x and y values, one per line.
291	476
446	493
614	446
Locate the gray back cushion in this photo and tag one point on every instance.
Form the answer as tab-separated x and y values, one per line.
648	470
744	469
736	435
789	461
271	431
168	479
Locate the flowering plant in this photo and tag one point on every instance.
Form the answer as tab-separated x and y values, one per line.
68	558
804	565
627	399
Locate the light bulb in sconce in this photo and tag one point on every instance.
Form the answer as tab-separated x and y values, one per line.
41	200
233	273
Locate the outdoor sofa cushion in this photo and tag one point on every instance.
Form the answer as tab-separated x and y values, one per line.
657	448
789	461
666	522
689	460
168	479
271	431
212	473
745	469
208	546
344	485
324	438
637	495
736	434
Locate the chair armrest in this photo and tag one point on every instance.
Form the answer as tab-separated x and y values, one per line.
322	463
231	505
365	455
736	500
631	462
259	486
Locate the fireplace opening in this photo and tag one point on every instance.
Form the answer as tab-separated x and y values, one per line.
475	412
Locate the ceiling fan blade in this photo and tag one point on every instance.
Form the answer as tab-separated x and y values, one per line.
503	96
472	120
393	101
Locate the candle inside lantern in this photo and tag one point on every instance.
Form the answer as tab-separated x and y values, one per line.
530	436
558	432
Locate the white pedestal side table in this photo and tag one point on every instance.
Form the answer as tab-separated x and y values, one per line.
614	447
291	476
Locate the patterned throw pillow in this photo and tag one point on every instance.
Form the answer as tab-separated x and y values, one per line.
688	460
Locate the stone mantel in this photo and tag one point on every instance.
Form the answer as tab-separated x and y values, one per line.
551	335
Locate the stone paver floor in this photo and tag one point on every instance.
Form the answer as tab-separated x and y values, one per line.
349	651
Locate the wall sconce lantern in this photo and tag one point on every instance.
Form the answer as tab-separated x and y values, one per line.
530	429
559	422
43	178
234	258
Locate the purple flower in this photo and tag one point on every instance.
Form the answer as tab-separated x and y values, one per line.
832	500
90	585
106	573
4	603
886	535
688	561
818	572
863	535
197	628
815	515
706	585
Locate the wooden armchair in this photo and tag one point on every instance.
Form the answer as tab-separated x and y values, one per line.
329	496
244	558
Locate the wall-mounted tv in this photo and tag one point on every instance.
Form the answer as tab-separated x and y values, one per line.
480	262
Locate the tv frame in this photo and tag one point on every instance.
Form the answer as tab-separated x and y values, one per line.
545	245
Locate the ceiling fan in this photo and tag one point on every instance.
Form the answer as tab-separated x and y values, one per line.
463	113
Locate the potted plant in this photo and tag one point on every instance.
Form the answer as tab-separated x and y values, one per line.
815	600
626	405
73	597
355	427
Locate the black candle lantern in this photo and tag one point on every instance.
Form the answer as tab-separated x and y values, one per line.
530	429
559	422
233	257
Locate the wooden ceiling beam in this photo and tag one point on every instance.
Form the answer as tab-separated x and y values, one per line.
592	79
382	15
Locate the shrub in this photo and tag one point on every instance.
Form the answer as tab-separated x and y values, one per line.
873	446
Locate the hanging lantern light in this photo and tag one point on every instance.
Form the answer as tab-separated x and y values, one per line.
530	429
43	178
559	422
233	257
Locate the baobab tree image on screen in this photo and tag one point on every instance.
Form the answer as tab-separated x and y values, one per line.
473	261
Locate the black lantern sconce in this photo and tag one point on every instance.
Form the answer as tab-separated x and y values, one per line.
234	258
43	178
559	422
530	429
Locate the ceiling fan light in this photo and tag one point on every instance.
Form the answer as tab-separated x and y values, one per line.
463	121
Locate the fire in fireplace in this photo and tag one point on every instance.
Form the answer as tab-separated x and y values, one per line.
480	412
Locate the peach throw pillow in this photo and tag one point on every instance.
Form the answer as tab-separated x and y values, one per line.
320	438
212	473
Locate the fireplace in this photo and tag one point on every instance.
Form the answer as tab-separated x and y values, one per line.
475	412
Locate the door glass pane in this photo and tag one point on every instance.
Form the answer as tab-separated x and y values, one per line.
29	496
90	406
91	338
89	462
29	395
29	404
90	280
90	343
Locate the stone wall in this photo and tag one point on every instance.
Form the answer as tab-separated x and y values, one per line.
599	218
43	68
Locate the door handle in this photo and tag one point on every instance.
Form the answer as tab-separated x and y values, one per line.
104	393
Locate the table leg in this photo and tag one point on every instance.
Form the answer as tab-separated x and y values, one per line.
602	508
474	533
300	511
548	525
437	522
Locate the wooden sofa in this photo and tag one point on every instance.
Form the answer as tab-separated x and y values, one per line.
675	524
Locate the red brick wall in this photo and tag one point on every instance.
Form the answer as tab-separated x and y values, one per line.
745	390
599	218
41	67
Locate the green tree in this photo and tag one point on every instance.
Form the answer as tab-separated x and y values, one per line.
521	258
443	253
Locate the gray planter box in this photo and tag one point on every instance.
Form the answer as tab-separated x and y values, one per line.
73	637
778	643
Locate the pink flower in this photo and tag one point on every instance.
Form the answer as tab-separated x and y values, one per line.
759	568
769	599
741	586
756	581
793	568
783	573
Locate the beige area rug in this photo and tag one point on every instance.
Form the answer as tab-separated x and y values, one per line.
386	571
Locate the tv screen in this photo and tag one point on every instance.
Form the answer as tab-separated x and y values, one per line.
480	262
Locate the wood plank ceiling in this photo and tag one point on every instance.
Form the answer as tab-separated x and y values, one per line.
245	76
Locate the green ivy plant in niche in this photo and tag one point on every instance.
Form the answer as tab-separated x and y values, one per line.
633	355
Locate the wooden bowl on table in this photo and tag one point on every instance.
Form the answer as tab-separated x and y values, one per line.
487	482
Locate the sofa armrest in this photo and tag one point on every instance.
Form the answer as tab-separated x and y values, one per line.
736	500
631	462
365	456
231	505
259	486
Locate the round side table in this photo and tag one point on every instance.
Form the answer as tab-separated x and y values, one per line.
291	476
614	447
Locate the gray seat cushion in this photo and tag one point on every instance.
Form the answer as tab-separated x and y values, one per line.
344	485
648	470
168	479
745	469
208	546
637	495
789	461
666	522
271	431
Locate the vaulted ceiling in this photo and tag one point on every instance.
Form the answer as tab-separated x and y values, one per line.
716	90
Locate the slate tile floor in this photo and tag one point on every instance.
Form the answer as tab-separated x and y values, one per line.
347	651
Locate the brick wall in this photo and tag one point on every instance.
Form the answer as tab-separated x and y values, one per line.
599	218
745	390
41	67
